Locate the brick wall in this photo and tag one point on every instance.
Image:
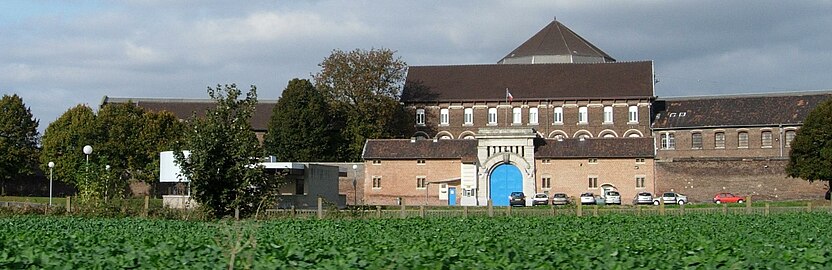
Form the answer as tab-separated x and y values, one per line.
701	179
398	179
571	176
755	148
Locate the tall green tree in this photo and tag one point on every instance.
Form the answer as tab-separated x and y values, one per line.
63	143
223	165
161	130
811	155
120	125
302	126
365	88
18	140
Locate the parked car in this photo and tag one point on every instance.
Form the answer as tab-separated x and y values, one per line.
671	198
725	197
560	199
540	199
517	198
643	198
588	198
612	197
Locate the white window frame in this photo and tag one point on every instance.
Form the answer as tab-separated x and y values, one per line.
492	116
719	140
633	114
517	115
766	141
469	116
420	117
444	117
558	116
583	115
789	133
421	182
608	115
742	139
694	144
668	141
533	116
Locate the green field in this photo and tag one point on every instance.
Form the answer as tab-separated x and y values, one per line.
798	240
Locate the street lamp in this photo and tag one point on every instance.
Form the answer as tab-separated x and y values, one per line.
51	165
87	151
354	188
106	183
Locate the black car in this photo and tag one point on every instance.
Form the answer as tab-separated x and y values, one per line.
517	198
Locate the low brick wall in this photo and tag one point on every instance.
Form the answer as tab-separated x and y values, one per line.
763	179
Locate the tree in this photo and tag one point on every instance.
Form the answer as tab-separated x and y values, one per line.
301	127
18	139
223	165
163	130
120	126
365	87
811	155
63	143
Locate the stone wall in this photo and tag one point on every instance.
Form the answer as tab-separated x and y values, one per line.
763	179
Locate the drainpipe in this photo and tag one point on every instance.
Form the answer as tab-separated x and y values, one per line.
780	129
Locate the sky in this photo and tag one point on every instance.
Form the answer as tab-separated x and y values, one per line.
58	54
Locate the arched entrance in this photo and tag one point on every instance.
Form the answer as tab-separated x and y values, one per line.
505	179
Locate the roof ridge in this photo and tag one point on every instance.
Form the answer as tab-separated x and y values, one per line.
543	64
749	95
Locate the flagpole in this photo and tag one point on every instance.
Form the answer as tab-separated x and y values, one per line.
509	107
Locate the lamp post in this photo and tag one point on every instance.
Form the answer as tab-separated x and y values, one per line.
354	187
106	183
51	165
87	151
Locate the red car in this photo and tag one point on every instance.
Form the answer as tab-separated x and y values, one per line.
726	197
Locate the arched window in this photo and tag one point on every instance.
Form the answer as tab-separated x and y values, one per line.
742	139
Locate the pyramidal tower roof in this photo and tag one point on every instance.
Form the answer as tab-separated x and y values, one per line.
556	43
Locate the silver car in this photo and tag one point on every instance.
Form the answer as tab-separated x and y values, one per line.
612	197
643	198
588	198
560	199
671	198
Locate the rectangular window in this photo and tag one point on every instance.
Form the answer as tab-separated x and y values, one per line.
443	117
593	182
420	161
639	181
640	161
668	141
376	161
420	117
608	114
696	140
532	116
546	182
719	140
790	137
469	116
558	117
765	139
421	183
376	182
742	139
517	116
582	115
546	161
593	161
633	112
492	116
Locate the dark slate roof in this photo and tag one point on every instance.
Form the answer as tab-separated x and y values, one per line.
746	110
596	148
185	108
529	82
420	149
557	39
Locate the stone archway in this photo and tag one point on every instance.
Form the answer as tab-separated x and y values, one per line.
503	180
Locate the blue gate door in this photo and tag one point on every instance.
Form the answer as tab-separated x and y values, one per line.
505	179
452	196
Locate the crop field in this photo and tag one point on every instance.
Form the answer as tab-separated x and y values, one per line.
793	240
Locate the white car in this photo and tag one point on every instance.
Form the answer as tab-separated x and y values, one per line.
588	198
671	198
540	199
643	198
612	197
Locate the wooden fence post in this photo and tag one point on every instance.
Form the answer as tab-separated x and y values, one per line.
579	210
809	207
595	210
422	211
146	205
508	211
661	206
490	208
724	209
554	210
320	208
378	211
682	209
292	214
68	204
402	213
237	213
638	213
748	204
766	212
465	211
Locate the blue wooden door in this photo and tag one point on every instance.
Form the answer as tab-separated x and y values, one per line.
452	196
505	179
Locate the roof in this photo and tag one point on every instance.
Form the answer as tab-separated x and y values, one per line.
596	148
737	110
420	149
557	39
185	108
529	82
